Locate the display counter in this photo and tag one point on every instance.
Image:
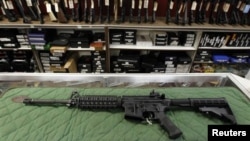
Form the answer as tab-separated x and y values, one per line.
12	80
21	122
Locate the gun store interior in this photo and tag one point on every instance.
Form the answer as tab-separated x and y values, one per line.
138	69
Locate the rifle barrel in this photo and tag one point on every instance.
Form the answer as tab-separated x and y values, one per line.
52	102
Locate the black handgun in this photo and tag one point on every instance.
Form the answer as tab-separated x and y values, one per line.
150	107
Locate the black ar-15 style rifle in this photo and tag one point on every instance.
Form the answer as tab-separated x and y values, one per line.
150	107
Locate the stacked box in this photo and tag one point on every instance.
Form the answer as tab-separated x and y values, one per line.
159	38
5	59
239	57
122	36
130	37
173	39
220	58
129	61
169	60
189	40
116	36
81	39
99	61
57	58
203	56
39	39
159	68
115	66
45	60
21	61
8	38
148	63
23	40
183	63
84	64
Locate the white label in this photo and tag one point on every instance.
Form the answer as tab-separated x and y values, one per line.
29	3
66	3
194	5
155	6
92	4
133	4
106	2
4	4
10	5
140	4
3	11
76	1
120	3
208	6
216	7
48	7
171	6
56	7
180	8
226	7
71	4
239	4
145	4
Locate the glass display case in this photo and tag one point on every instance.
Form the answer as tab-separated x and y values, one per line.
14	80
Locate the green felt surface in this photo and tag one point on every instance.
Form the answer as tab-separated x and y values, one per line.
31	123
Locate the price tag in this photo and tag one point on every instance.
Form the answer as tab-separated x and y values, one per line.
155	6
10	5
29	3
106	2
180	8
76	1
71	4
145	4
92	4
133	4
48	7
56	7
66	3
194	5
239	4
208	6
216	7
3	11
140	4
226	7
4	4
171	5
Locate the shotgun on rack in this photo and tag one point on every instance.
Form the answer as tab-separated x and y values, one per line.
150	107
